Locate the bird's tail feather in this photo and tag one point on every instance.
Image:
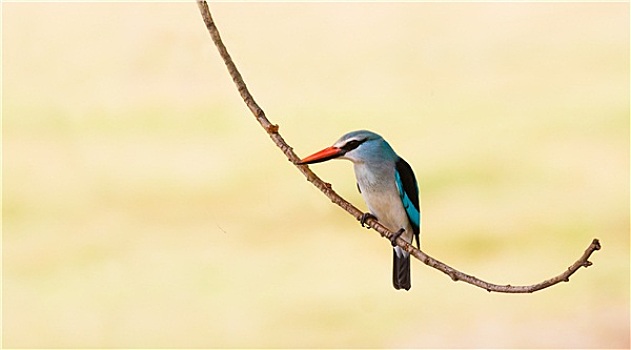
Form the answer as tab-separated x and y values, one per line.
401	270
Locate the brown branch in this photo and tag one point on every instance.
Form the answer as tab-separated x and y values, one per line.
272	131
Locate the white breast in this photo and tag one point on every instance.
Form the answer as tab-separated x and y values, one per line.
381	195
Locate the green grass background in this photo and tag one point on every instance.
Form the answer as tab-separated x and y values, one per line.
144	207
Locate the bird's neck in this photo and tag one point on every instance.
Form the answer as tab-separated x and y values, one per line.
369	174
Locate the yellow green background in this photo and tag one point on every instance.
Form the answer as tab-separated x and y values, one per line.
144	207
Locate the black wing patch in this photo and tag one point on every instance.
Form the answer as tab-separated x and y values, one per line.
409	193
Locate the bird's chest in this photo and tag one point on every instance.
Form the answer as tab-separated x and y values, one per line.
382	197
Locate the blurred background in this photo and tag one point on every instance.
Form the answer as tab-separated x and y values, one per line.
144	207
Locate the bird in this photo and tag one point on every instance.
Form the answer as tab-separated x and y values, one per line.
389	188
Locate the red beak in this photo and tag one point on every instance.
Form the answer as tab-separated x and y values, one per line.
321	156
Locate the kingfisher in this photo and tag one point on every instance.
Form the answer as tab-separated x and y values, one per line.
389	188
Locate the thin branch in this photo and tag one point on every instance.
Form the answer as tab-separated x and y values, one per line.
272	131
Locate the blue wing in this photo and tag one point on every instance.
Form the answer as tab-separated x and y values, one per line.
408	191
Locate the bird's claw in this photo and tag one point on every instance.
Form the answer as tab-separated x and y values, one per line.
366	216
394	236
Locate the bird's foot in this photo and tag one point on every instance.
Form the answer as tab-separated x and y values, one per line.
393	238
366	216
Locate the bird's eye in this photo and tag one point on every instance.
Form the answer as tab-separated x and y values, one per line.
352	144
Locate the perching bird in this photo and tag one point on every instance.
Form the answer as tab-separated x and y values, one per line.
389	188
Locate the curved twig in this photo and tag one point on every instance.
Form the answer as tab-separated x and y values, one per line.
272	131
